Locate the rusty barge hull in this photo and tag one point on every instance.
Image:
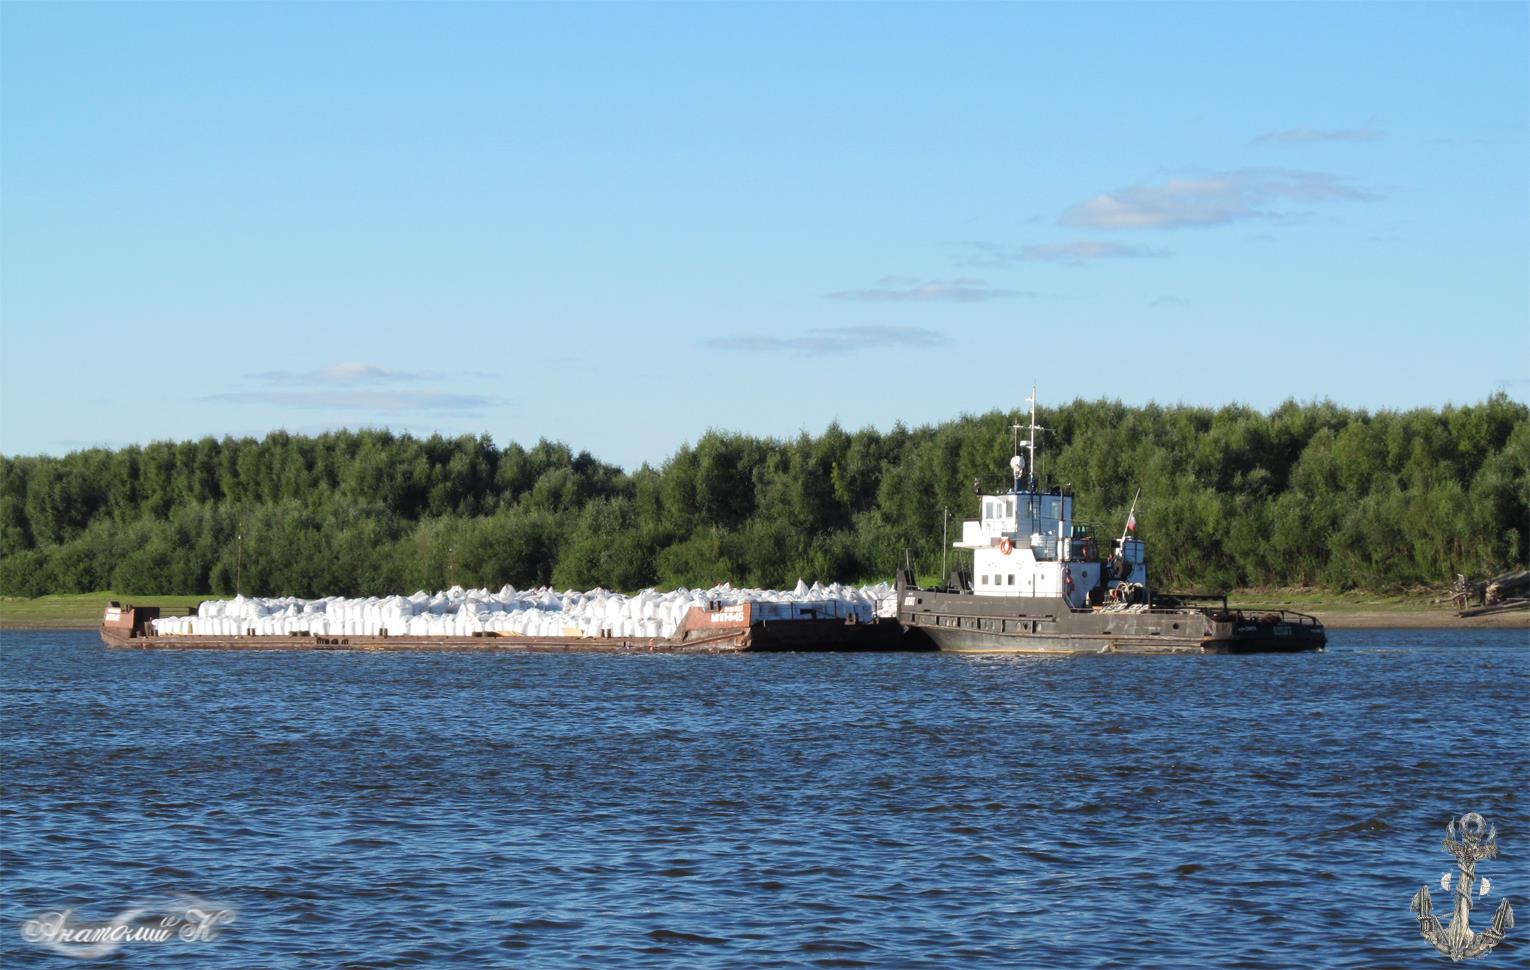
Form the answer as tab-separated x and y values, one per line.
433	644
728	630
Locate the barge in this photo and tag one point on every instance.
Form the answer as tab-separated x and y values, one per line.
1040	584
712	629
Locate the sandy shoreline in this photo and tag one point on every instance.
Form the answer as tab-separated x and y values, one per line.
1419	620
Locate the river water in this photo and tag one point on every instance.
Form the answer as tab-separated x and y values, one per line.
761	811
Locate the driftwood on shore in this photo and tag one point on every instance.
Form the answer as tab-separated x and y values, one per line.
1497	594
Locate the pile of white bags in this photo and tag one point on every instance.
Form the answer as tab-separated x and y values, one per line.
459	612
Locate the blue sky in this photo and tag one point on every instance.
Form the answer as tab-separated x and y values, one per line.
621	225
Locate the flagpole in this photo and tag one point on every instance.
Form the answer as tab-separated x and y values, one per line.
1131	515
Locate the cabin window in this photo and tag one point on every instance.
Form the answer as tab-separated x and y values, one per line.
985	580
1043	518
1011	579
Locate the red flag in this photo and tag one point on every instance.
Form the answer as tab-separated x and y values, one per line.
1131	522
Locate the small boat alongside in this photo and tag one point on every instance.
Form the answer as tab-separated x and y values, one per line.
1041	583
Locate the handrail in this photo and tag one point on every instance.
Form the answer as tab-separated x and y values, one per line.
1245	613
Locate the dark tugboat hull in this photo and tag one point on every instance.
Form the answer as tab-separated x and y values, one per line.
964	623
965	641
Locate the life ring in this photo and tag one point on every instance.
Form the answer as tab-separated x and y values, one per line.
1005	546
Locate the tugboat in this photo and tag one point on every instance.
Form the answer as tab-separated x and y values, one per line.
1042	584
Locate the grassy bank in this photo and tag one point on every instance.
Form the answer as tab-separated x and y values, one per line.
77	611
1349	601
82	611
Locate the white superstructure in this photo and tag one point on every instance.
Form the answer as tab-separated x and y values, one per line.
1025	543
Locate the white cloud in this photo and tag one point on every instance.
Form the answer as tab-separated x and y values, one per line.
837	340
898	289
1308	136
1213	199
348	372
1075	253
384	401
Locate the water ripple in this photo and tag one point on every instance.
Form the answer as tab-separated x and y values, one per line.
769	811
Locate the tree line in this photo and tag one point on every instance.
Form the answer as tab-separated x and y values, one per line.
1306	494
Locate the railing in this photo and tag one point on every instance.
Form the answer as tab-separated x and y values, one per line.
1280	616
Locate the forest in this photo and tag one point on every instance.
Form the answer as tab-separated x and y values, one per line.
1308	494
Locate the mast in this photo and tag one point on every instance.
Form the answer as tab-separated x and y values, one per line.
1017	473
1034	428
1030	443
1018	464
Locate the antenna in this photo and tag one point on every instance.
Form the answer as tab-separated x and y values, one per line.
1031	443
